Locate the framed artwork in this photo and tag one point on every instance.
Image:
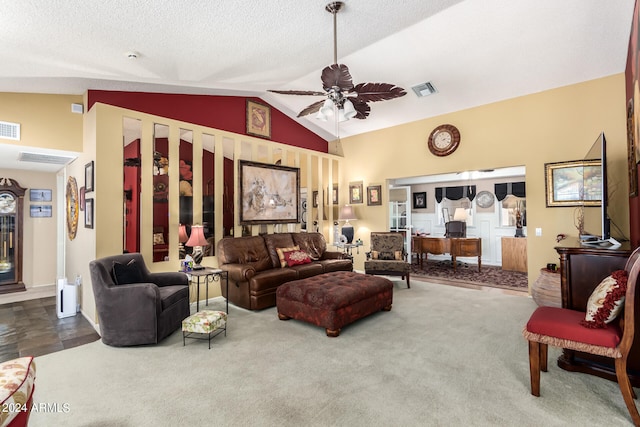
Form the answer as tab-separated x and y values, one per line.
39	195
40	211
334	194
315	199
355	193
258	119
88	177
374	195
269	194
82	192
445	215
420	200
88	213
568	183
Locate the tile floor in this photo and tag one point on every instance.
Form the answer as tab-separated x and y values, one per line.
31	328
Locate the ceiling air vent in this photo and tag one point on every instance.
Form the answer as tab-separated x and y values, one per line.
10	131
424	89
44	158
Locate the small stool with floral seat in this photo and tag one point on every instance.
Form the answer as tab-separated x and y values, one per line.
209	322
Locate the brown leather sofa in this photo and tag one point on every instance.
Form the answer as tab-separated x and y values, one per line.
254	266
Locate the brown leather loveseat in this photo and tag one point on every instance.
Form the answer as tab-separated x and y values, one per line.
255	270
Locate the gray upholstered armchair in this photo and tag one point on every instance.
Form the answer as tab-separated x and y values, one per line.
134	305
388	256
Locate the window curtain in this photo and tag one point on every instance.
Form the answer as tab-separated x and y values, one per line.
514	188
456	193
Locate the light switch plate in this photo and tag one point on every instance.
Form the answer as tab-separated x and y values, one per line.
538	231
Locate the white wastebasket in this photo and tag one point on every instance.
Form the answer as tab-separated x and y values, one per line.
67	298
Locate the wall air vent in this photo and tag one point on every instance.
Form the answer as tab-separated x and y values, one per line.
44	158
10	131
424	89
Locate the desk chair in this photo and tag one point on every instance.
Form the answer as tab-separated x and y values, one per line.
455	229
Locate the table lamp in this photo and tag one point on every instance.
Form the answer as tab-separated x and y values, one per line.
197	241
460	214
346	214
182	238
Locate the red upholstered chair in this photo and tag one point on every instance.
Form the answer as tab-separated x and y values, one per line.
561	327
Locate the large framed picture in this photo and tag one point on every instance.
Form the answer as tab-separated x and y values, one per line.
269	194
258	119
374	195
574	183
420	200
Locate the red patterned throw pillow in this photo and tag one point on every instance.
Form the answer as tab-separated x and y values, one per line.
606	301
296	258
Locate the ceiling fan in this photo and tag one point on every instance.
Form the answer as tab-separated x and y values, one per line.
349	99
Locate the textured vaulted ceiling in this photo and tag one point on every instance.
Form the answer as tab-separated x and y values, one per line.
474	52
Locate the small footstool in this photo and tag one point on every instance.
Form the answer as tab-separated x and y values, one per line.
204	322
333	300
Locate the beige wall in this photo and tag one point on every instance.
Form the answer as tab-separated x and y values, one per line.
551	126
46	121
39	234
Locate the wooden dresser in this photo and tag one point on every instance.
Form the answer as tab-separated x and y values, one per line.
581	270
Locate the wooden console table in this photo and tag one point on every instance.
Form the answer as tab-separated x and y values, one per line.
582	268
456	246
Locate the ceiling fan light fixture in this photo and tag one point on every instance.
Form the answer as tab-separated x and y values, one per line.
349	110
338	84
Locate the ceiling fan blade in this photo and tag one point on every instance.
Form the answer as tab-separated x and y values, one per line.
313	108
298	92
337	75
361	107
372	92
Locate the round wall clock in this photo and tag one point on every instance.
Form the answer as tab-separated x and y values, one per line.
72	207
444	140
484	199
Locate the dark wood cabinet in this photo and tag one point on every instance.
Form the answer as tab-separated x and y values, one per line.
581	270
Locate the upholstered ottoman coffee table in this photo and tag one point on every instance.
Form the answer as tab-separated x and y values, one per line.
333	300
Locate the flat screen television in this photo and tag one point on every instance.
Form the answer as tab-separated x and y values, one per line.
596	219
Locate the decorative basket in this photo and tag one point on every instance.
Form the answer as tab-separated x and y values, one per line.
546	289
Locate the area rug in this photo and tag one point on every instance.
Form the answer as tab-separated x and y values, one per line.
467	274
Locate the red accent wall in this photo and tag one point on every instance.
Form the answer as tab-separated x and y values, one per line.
632	75
219	112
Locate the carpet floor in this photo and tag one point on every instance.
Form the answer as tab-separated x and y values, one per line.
443	356
442	272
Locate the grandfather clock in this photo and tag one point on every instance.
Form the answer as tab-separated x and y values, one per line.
11	208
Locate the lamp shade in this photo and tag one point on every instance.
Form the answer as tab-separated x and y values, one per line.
182	233
325	110
460	214
347	213
349	111
197	237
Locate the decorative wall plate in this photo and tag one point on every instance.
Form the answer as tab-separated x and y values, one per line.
485	199
72	207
